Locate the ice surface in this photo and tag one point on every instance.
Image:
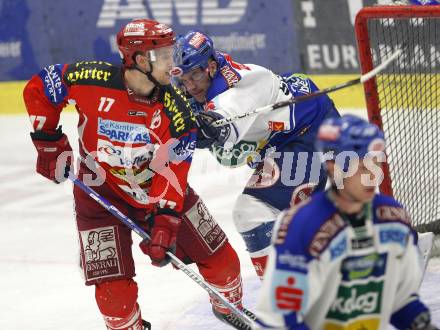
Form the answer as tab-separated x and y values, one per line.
40	285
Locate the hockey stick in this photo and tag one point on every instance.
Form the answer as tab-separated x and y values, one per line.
292	100
176	261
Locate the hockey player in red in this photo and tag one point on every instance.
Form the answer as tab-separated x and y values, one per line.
136	140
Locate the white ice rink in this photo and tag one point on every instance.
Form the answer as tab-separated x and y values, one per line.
40	284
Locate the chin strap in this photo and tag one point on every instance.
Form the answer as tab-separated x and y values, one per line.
149	74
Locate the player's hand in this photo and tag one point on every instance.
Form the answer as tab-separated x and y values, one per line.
50	146
207	133
423	322
163	238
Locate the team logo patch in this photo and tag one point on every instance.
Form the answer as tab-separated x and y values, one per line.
197	40
101	258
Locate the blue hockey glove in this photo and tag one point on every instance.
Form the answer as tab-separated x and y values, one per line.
207	133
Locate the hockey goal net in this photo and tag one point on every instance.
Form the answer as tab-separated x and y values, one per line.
404	101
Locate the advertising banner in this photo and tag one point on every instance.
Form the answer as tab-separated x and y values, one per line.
326	35
36	33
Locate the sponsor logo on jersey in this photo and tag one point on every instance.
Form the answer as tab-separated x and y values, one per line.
176	115
292	262
338	247
136	113
390	213
123	156
184	150
231	77
359	267
325	234
89	71
100	253
54	87
359	243
290	291
123	132
356	300
389	233
240	154
299	84
208	229
276	125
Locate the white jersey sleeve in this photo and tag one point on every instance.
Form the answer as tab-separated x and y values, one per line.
257	88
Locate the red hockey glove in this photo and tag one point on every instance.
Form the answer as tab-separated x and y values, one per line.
49	147
163	239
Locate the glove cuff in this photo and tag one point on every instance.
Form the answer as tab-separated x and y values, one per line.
45	136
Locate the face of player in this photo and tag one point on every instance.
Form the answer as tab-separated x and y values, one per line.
162	64
197	82
360	187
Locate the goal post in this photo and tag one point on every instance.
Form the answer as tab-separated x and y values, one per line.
404	100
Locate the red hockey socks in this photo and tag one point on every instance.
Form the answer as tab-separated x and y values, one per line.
117	302
222	271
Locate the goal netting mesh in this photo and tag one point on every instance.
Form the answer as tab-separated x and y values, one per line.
405	101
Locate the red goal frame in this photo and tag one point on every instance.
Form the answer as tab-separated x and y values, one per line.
366	59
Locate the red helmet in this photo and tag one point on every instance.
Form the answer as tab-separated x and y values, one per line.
142	35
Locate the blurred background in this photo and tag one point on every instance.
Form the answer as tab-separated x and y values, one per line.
40	283
312	36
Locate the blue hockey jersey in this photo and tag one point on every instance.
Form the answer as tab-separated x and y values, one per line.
239	88
323	273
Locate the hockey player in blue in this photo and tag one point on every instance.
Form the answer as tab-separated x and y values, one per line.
347	258
278	144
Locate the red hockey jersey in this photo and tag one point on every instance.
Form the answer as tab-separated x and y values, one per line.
144	145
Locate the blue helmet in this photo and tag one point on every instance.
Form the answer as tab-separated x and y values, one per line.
425	2
349	133
192	50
